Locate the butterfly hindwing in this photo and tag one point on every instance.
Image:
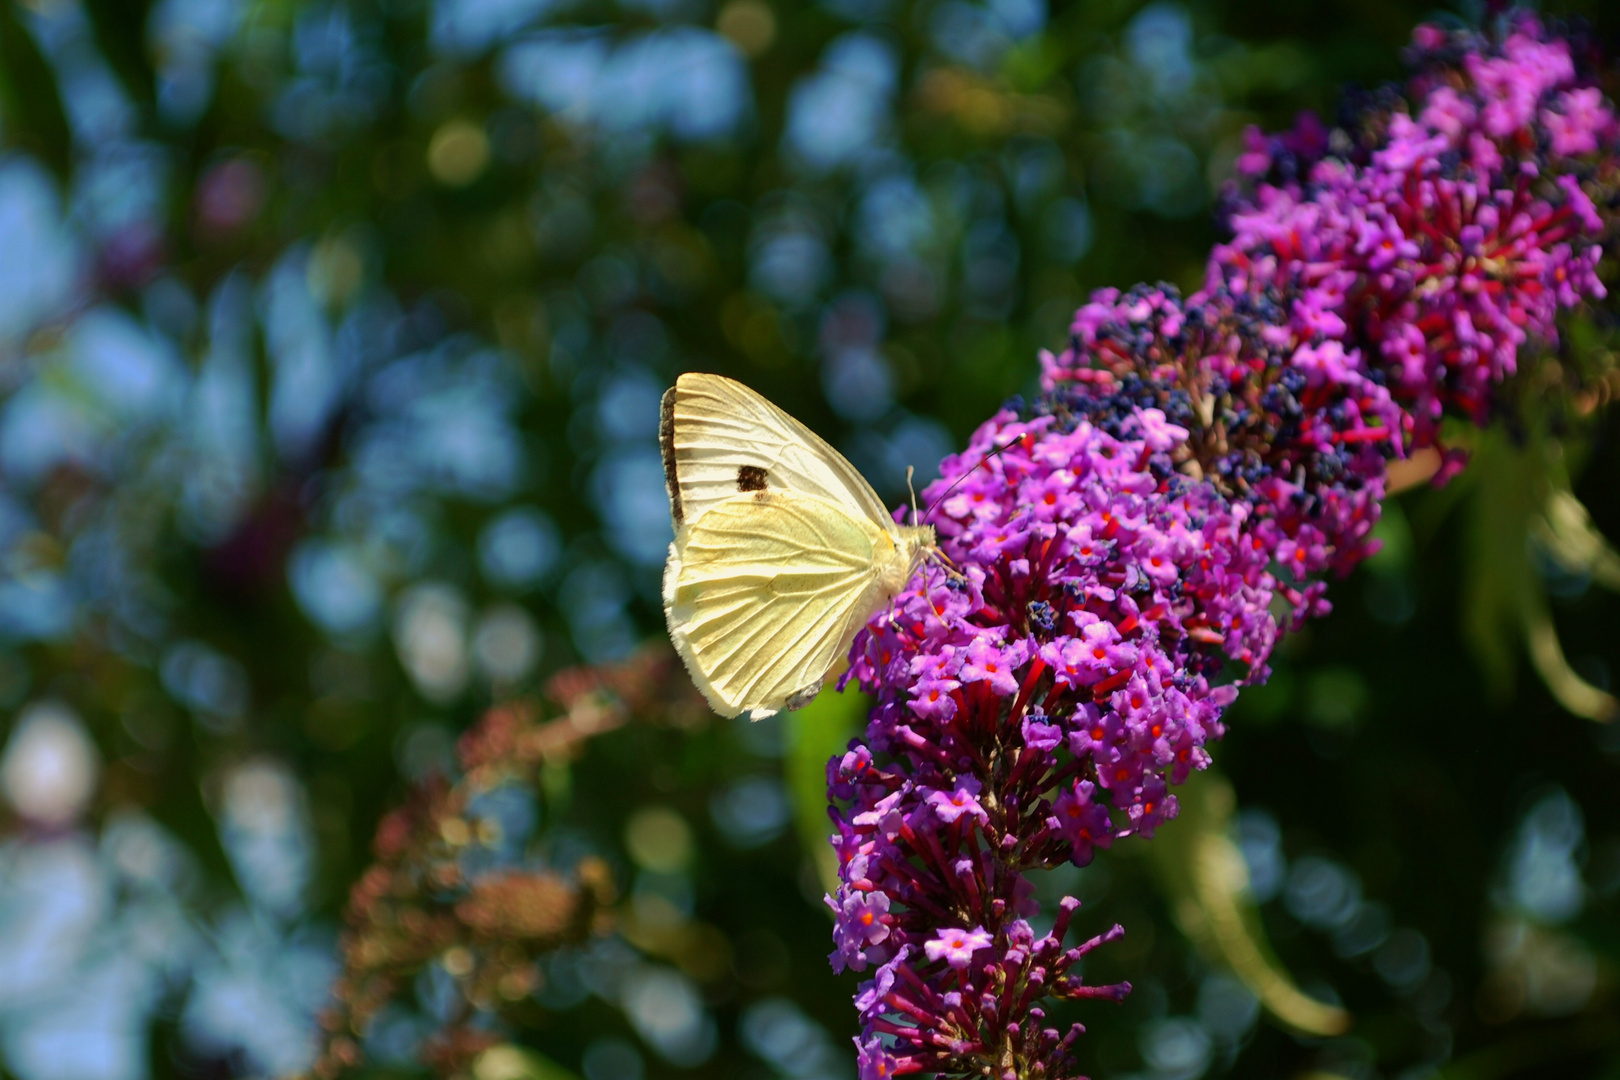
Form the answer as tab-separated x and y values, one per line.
765	591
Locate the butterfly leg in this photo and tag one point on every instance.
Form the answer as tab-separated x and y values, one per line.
945	563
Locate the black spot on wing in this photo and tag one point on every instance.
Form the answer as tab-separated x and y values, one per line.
750	478
666	444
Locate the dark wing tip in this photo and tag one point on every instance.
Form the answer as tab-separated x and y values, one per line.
666	445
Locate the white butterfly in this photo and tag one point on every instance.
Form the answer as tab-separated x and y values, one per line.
782	550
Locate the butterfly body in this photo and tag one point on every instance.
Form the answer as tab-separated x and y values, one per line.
782	550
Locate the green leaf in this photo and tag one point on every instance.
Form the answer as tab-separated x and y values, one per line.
1520	498
1203	874
29	102
1394	535
820	730
1507	489
119	27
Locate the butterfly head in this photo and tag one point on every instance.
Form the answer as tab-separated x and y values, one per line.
920	538
920	544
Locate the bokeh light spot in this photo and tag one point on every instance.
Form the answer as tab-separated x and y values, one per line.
747	24
659	839
458	153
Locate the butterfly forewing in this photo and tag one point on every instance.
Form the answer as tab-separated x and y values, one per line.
720	439
766	590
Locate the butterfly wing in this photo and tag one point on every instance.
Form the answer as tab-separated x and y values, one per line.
766	590
719	439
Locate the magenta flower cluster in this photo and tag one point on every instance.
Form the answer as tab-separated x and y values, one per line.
1114	557
1445	234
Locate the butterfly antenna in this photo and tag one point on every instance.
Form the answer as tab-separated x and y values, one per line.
910	469
959	480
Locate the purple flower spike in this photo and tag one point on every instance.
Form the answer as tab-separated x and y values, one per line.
1118	557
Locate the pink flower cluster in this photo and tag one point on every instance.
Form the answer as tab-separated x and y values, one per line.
1287	423
1449	235
1120	553
1116	558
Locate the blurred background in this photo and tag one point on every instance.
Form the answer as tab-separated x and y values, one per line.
331	341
